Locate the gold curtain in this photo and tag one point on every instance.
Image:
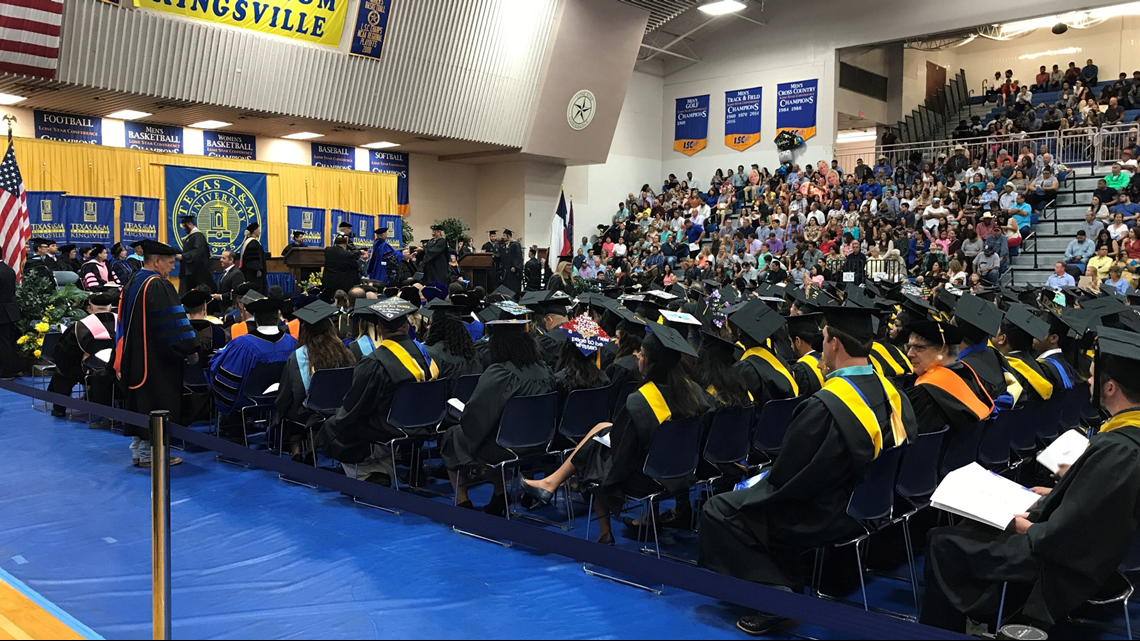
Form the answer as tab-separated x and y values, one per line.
93	170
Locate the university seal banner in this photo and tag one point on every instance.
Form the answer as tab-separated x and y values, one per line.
89	220
371	27
315	21
160	138
691	133
742	118
393	162
45	214
795	107
223	145
138	219
310	221
50	125
224	202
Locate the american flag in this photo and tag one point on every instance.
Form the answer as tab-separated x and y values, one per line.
15	230
29	36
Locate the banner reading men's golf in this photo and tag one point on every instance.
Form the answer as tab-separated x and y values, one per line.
795	107
89	220
310	221
45	215
138	219
223	202
742	118
691	133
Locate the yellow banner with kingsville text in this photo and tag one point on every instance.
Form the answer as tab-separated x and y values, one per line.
316	21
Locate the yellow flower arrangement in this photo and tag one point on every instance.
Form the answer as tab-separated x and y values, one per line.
42	327
38	353
21	340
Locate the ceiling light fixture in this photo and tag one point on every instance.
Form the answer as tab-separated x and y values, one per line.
381	145
128	114
10	99
303	135
722	7
1050	53
210	124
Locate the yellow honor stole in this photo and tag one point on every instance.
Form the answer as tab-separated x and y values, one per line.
850	396
771	359
408	362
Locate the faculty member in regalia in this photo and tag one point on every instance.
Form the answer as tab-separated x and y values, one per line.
383	260
251	259
265	342
75	354
435	266
196	267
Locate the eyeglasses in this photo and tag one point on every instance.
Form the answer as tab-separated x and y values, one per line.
918	347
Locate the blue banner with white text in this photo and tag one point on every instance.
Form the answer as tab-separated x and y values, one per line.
742	118
224	203
336	217
334	156
310	221
691	128
138	219
45	214
395	225
50	125
161	138
393	162
89	220
220	144
370	28
795	107
364	226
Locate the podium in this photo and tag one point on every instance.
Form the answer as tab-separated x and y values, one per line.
477	268
303	261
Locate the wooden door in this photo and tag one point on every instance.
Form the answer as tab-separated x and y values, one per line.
935	78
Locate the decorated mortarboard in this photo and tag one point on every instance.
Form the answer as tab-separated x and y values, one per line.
679	317
392	309
192	299
585	333
856	322
1022	317
978	313
315	312
149	247
511	308
670	339
661	295
757	321
937	333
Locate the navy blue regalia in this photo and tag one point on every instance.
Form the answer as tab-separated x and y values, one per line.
231	367
383	259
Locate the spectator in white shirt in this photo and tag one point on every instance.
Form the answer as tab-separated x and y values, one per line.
620	248
934	214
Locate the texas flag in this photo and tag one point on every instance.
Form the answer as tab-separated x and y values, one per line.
561	232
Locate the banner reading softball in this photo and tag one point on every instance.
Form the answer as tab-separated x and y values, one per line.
691	133
224	202
316	21
742	118
795	107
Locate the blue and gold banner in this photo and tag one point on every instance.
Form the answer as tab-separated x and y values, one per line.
160	138
315	21
138	219
310	221
336	217
50	125
371	27
45	214
224	202
795	107
395	225
742	118
363	225
334	156
89	220
223	145
393	162
691	131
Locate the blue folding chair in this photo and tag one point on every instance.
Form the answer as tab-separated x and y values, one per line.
772	424
918	478
465	386
993	451
728	442
961	448
327	389
583	410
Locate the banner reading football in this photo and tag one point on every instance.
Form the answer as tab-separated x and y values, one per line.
393	162
89	219
742	118
691	133
316	21
310	221
138	219
224	202
45	215
795	107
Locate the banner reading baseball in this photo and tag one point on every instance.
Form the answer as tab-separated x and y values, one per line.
742	118
691	133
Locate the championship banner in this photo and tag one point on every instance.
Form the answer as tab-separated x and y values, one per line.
742	118
89	220
50	125
160	138
371	27
310	221
691	133
224	202
315	21
393	162
45	214
364	226
334	156
138	219
795	107
223	145
395	225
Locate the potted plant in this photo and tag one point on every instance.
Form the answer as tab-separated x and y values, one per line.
453	230
44	308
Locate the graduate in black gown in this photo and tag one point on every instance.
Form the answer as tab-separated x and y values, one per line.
153	343
210	337
251	260
318	348
448	342
512	262
342	268
758	534
1020	328
516	369
629	335
434	265
765	374
580	359
612	470
353	435
947	391
1055	352
549	312
980	320
807	341
78	352
1058	555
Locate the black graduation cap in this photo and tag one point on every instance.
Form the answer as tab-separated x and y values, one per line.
670	339
937	333
66	249
315	312
488	314
857	322
945	300
856	298
757	321
344	223
250	295
1133	295
805	325
978	313
150	248
261	305
728	295
715	340
630	322
711	284
437	227
363	306
1022	317
920	308
1070	323
1104	305
188	219
192	299
507	324
134	245
254	226
503	290
111	295
40	242
381	230
1122	349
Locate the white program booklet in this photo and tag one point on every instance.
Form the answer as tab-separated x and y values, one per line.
976	493
457	404
1064	451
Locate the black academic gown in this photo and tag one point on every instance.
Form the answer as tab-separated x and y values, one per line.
1030	391
990	366
765	383
472	441
363	417
890	359
533	274
195	269
1081	533
550	342
342	269
494	277
252	264
622	371
452	366
45	265
935	407
81	340
153	340
513	266
807	374
1059	371
435	261
210	337
608	352
758	534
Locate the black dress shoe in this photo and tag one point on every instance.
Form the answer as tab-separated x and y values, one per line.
497	506
676	520
58	412
634	529
541	495
467	505
379	478
759	624
606	539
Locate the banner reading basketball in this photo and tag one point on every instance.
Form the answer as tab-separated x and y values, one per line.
795	107
742	118
224	202
691	133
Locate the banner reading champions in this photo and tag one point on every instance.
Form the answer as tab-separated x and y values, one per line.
393	162
691	133
316	21
89	220
795	107
742	118
45	215
223	145
224	202
160	138
310	221
50	125
335	156
138	219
